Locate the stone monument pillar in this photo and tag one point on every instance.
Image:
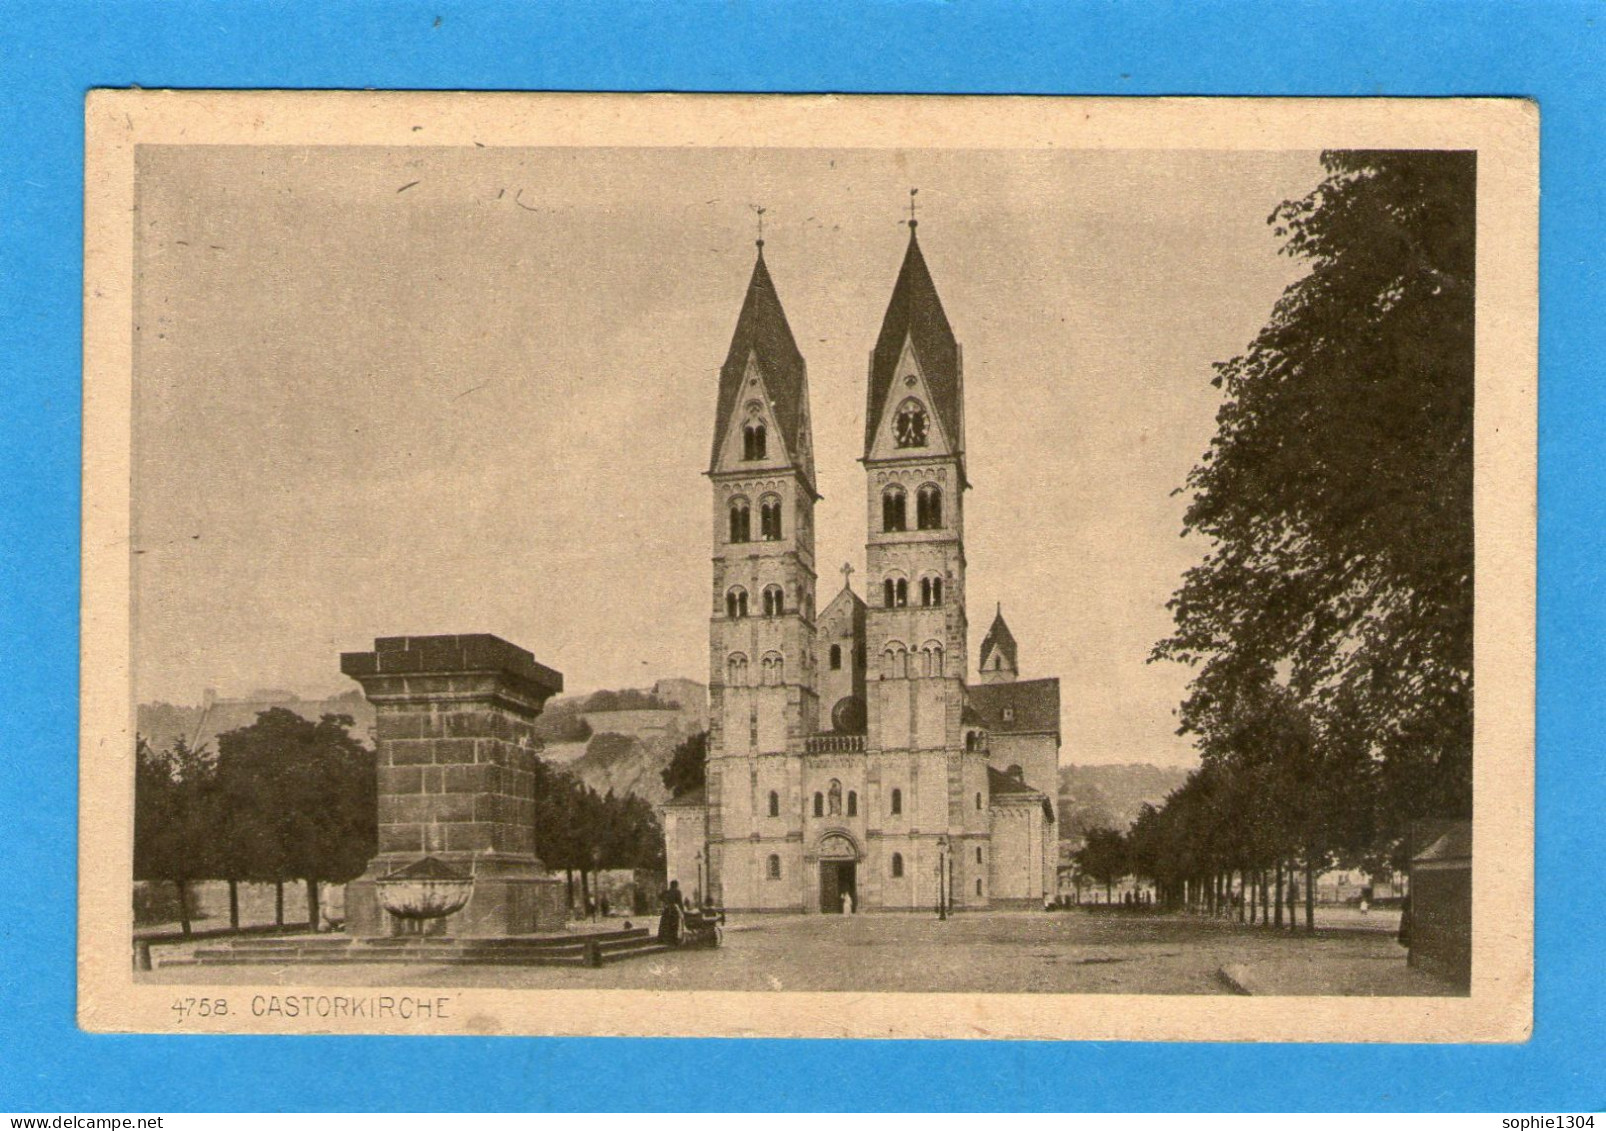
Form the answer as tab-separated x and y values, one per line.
456	752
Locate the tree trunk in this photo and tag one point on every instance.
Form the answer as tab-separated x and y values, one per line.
278	903
1252	886
1265	893
234	905
1243	896
1279	900
568	874
312	906
183	905
585	895
1310	897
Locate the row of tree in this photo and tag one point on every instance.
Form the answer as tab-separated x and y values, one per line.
287	799
1329	625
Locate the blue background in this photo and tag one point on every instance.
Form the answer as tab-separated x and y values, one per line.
54	52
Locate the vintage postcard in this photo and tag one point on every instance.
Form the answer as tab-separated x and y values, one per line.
809	566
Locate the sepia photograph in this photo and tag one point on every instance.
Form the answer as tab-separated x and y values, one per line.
809	567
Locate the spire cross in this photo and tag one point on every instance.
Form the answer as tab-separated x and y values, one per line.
912	193
847	573
760	210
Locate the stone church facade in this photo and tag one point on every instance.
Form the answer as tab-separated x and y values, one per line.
848	753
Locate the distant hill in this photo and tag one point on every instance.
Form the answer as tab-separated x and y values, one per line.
161	724
612	739
1093	797
633	734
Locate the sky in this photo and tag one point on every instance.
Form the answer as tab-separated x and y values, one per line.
407	391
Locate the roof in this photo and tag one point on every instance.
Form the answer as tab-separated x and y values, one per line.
1035	703
1454	844
846	596
692	798
999	636
915	313
429	868
1000	784
763	332
1007	787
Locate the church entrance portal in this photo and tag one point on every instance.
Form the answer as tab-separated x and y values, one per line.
836	878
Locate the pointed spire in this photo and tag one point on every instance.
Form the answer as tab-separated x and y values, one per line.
915	314
763	333
1001	640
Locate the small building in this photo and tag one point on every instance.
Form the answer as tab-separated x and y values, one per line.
1441	899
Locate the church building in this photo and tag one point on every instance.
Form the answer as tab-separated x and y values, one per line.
851	763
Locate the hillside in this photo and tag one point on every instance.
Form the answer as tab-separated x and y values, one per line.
1111	796
161	724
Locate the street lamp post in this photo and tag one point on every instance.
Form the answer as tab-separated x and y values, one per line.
697	896
942	877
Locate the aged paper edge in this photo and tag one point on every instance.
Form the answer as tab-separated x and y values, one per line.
1505	133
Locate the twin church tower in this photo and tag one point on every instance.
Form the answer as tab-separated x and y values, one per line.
851	765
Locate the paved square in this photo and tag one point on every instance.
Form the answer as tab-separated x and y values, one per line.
1024	952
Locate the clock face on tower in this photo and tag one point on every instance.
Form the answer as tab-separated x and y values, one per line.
910	426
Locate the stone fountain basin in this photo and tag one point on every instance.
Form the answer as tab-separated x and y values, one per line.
427	889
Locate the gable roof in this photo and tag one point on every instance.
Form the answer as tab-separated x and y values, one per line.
691	799
763	332
1035	703
1002	784
845	596
999	636
915	313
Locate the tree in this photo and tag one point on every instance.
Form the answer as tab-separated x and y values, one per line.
176	817
301	799
1103	858
688	767
1330	621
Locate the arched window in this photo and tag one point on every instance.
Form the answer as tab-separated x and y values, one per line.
978	854
769	518
892	661
774	669
930	591
897	865
928	507
775	804
736	602
910	426
834	798
819	804
774	869
774	600
978	885
736	670
893	510
897	801
978	801
853	803
836	657
753	439
741	521
895	592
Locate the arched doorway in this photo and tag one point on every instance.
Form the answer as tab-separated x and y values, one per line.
839	873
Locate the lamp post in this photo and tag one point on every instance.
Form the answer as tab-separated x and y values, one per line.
942	878
697	895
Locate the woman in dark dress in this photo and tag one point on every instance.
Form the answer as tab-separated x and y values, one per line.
669	922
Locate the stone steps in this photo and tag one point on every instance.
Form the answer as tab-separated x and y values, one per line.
596	948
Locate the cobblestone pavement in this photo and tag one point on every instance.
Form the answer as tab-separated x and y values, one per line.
1068	952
